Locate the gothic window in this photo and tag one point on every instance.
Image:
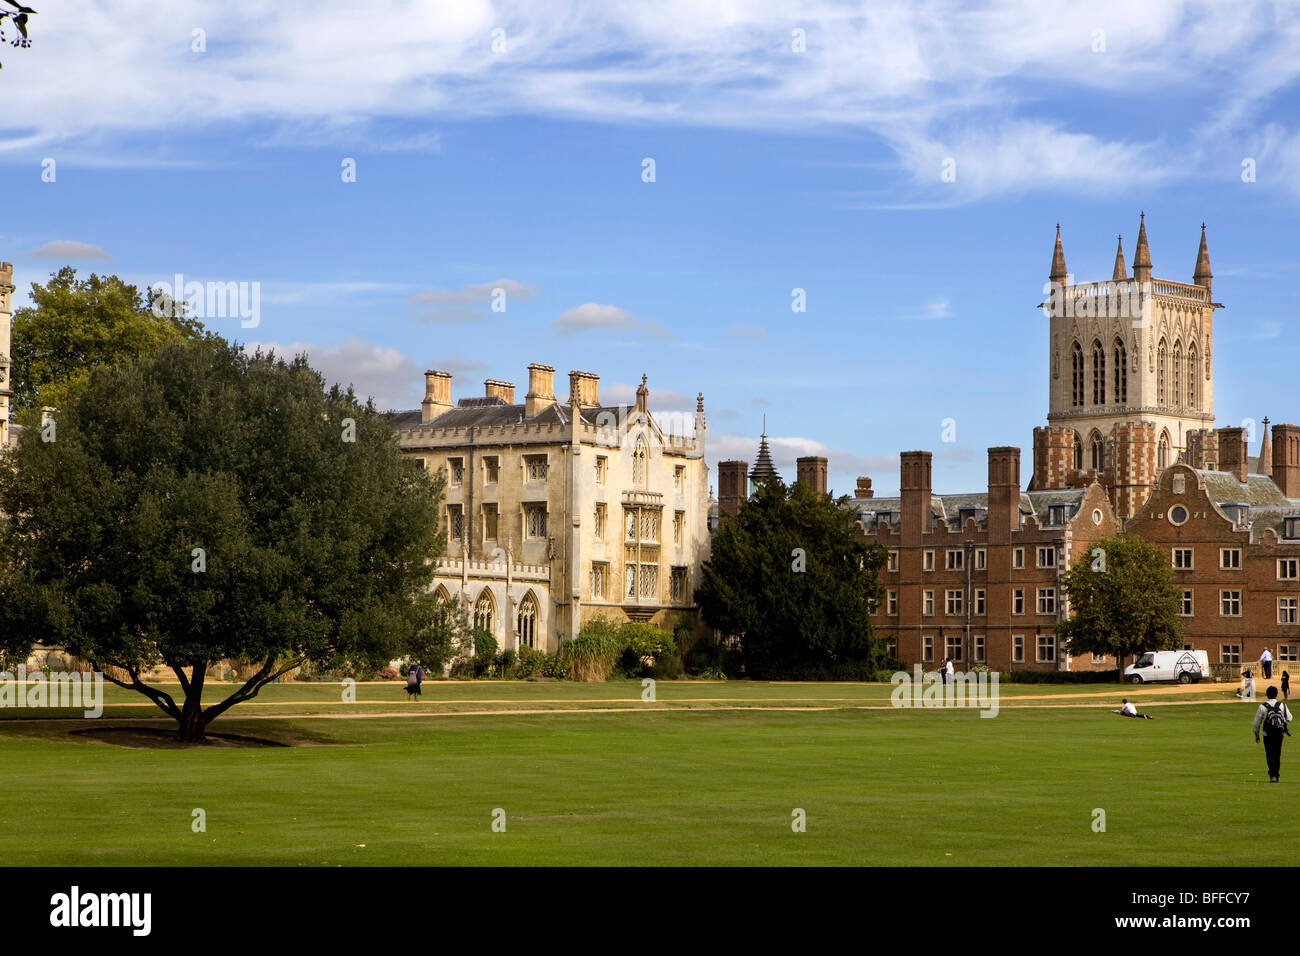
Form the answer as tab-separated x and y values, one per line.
526	621
1162	452
1076	375
1078	452
1192	364
1097	457
440	596
485	612
1178	372
1098	374
640	461
1121	373
1160	373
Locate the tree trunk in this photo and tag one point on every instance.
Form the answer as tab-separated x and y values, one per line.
192	723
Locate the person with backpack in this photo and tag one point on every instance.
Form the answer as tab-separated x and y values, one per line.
413	678
1273	717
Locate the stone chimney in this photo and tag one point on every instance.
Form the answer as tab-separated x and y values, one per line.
541	389
864	488
495	388
914	491
437	395
811	471
1286	459
1004	492
1234	456
583	389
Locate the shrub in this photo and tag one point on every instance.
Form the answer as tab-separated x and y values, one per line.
1060	677
506	662
594	652
555	667
667	667
463	668
389	673
712	673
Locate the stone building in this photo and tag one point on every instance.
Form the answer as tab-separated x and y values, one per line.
1130	375
558	512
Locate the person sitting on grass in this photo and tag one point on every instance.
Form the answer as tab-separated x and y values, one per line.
1128	710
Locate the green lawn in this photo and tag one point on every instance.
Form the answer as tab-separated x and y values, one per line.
671	783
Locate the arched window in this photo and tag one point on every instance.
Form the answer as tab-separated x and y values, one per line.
1078	452
440	595
1162	452
526	621
1098	455
1098	374
1121	373
640	463
1076	375
1160	372
485	612
1178	372
1191	375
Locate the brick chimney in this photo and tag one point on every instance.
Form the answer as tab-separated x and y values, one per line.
496	388
1004	492
1286	459
864	488
583	389
811	471
914	491
733	487
541	389
1233	453
437	395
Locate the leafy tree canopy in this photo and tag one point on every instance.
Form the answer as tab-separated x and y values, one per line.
794	579
1123	600
75	325
203	504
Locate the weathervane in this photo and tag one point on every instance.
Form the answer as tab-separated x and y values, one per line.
19	16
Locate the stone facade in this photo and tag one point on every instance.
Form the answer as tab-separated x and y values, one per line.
560	512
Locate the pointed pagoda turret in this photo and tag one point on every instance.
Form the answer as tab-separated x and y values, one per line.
763	467
1058	273
1121	273
1202	276
1142	255
1265	450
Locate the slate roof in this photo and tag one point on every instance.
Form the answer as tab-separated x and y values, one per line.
949	507
474	412
1268	506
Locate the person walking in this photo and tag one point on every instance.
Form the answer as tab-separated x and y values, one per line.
1273	717
413	679
950	671
1286	686
1266	664
943	671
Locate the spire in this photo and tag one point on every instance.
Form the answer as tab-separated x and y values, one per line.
1120	274
1142	257
1265	450
642	397
1202	276
763	467
1058	273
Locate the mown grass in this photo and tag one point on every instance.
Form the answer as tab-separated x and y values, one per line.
673	786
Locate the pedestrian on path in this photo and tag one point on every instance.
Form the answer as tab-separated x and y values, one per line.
413	679
1266	664
1273	717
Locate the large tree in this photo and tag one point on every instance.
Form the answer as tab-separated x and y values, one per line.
206	504
794	579
1123	600
75	325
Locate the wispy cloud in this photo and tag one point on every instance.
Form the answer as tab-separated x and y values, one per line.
462	305
593	316
386	374
69	249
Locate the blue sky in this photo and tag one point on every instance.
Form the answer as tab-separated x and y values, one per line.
774	170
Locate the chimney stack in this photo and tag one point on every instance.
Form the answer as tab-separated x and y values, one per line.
1004	492
914	490
583	389
541	389
437	395
733	487
1233	454
1286	459
864	488
811	471
496	388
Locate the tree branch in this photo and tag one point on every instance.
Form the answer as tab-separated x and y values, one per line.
251	687
161	698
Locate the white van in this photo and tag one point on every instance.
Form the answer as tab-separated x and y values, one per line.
1186	667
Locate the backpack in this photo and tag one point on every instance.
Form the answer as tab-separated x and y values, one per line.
1275	719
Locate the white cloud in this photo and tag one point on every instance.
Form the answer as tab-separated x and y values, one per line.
930	78
592	315
661	399
461	305
387	374
68	249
